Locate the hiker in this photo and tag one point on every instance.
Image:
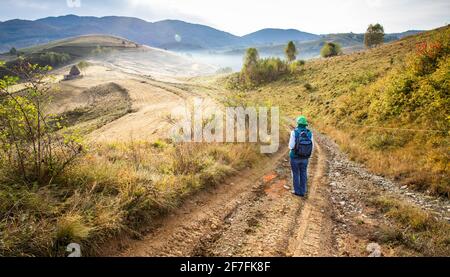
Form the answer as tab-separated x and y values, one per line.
301	145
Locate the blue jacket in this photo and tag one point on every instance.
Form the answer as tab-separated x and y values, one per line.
299	129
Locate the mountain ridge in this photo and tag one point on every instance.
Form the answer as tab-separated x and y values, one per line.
168	34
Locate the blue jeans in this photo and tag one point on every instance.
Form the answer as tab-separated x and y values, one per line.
300	175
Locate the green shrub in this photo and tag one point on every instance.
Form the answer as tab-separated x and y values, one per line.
83	65
330	49
33	149
418	91
296	66
51	58
159	144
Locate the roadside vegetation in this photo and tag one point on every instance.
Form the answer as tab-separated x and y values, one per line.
418	232
112	189
387	107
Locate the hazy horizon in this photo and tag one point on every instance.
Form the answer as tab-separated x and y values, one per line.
345	16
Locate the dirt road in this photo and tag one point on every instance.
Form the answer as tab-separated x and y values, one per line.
254	215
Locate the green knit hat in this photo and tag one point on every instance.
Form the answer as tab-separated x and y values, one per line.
301	120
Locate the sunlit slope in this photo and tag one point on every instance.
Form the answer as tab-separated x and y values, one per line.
387	106
116	51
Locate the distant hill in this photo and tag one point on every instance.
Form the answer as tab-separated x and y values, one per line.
24	33
167	34
277	36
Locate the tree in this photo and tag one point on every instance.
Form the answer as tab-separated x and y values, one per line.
250	65
330	49
13	51
251	57
290	51
374	35
32	143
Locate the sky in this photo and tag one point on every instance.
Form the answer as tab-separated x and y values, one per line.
241	17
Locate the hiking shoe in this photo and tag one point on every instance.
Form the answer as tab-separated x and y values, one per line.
299	195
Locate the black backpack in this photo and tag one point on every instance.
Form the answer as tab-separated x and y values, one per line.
303	144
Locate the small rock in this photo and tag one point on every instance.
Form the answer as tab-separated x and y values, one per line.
342	203
403	187
374	249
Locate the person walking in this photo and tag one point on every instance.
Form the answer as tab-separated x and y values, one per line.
301	146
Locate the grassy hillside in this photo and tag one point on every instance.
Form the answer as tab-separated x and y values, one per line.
387	107
62	52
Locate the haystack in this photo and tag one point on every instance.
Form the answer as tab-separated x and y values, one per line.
74	71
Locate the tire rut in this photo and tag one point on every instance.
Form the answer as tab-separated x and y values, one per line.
314	234
187	230
253	215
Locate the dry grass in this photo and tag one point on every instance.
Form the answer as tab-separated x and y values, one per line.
414	229
115	188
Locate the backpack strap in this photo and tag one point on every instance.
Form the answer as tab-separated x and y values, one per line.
296	133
